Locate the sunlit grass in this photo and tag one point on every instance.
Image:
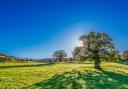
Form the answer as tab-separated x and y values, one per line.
63	76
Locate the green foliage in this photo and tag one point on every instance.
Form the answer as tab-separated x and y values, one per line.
77	53
96	44
2	58
113	56
125	55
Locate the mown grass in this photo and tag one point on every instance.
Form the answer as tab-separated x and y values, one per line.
63	76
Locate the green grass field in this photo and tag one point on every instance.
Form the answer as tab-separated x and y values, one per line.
63	76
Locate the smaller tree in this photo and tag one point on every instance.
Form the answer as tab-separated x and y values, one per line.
60	55
125	55
113	56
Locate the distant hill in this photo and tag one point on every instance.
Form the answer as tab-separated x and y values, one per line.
1	54
46	60
4	57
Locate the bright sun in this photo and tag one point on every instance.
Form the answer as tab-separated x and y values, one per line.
79	43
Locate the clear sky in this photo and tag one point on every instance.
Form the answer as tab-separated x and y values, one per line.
36	28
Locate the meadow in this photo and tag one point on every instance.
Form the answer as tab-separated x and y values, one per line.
34	75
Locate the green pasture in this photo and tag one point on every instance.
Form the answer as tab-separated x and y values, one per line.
32	75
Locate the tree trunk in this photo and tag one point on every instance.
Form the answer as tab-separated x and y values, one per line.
60	59
97	62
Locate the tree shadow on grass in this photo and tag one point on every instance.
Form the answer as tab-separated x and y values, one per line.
33	65
100	79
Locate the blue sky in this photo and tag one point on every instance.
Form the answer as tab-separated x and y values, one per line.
36	28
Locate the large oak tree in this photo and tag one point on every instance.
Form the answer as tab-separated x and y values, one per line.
95	45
